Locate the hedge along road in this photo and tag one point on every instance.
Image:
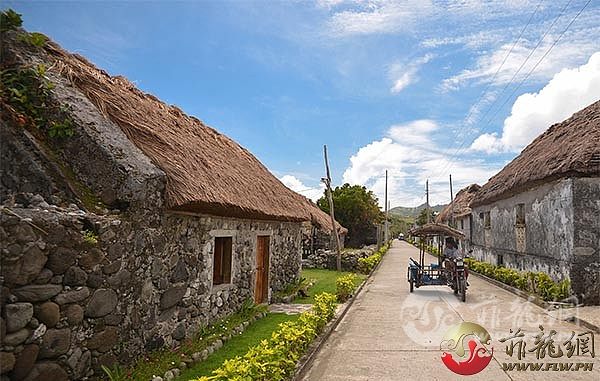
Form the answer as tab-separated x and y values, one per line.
391	334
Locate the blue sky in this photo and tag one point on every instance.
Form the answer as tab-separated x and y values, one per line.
412	86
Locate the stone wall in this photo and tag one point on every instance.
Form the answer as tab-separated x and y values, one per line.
585	270
561	235
327	259
70	305
548	231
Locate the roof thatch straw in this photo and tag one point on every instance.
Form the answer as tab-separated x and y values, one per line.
207	172
459	207
435	229
567	149
323	220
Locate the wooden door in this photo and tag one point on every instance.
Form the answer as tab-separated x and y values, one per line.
261	291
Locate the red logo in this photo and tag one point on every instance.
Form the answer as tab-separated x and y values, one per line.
465	348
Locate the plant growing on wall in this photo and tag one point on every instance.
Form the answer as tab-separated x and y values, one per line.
27	90
10	20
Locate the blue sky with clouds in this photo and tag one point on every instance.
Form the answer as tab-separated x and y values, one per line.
420	88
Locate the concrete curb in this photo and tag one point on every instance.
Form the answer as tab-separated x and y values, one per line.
530	298
318	343
582	323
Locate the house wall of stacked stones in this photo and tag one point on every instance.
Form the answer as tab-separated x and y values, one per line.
548	232
585	268
69	305
560	235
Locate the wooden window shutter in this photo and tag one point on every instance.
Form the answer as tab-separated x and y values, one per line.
226	265
218	262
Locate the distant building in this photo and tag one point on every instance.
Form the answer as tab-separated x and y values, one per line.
542	211
458	213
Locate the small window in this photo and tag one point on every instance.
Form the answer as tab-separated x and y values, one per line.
462	223
487	221
520	212
222	261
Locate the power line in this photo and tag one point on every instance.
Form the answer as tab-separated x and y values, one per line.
539	61
528	57
472	108
504	60
461	149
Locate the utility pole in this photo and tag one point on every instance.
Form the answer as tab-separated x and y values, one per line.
451	204
327	181
386	231
427	202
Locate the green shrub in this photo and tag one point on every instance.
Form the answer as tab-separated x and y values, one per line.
35	38
28	91
366	265
537	283
345	286
276	358
10	20
90	237
116	373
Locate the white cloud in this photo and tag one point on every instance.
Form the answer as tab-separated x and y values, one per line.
404	75
565	54
355	17
411	156
296	185
378	17
567	92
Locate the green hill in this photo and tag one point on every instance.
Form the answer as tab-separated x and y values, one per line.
414	211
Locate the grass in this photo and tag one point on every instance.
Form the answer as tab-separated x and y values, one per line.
238	345
158	362
324	281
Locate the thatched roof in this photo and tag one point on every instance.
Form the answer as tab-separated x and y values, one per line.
207	172
567	149
323	220
434	228
460	205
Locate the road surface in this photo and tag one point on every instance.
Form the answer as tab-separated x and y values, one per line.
391	334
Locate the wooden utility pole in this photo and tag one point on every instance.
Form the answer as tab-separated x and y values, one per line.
427	202
327	181
386	233
451	204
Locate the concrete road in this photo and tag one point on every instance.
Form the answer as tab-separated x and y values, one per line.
391	334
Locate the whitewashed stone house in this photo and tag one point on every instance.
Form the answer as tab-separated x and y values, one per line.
457	214
542	211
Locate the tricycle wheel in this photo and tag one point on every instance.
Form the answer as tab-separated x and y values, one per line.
412	285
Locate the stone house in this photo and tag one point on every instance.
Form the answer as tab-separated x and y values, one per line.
457	214
541	212
318	236
134	232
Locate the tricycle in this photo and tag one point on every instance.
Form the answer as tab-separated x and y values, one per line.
450	271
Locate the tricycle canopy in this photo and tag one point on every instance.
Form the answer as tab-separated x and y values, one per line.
434	229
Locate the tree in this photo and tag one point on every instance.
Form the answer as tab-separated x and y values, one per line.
422	218
400	224
357	209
